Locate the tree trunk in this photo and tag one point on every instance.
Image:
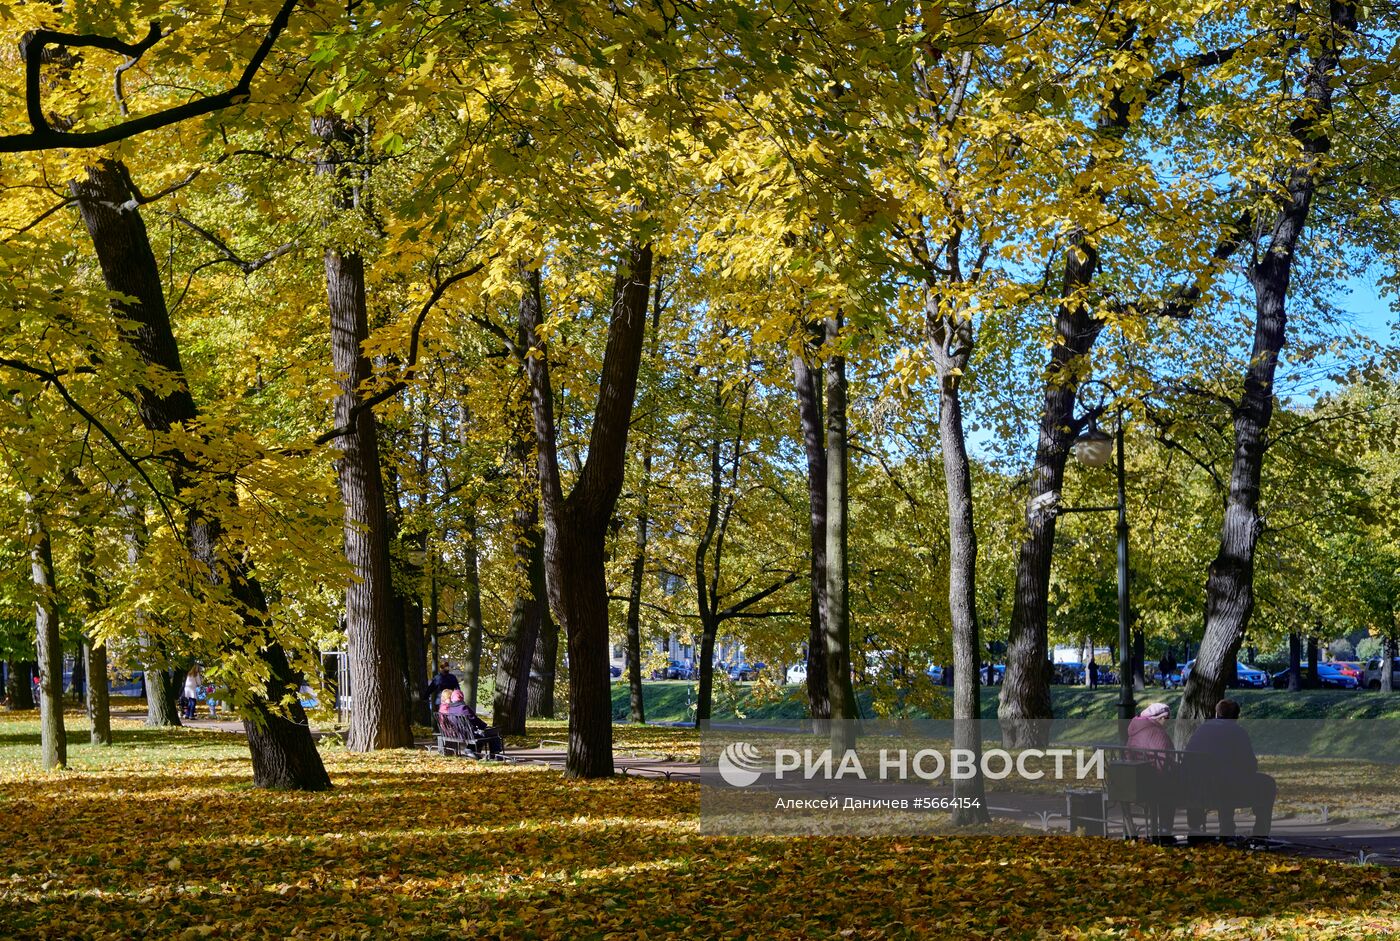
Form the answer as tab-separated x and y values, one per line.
19	685
1025	708
576	527
962	603
1313	680
704	702
78	683
636	712
471	669
807	381
1139	661
471	577
98	705
1230	580
419	708
543	669
379	718
517	652
637	707
1295	656
163	690
836	636
53	742
1388	664
282	750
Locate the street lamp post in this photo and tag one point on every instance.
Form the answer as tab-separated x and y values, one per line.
1093	449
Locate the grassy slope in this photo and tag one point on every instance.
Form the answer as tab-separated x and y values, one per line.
162	836
669	701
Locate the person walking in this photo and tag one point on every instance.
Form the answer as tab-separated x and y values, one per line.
194	683
441	682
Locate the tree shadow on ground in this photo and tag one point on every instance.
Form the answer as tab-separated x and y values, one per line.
414	844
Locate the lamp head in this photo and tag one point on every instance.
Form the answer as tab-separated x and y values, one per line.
1094	447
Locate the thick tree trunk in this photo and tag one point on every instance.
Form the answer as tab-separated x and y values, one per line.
705	695
807	381
53	742
1295	656
962	604
417	657
379	718
836	635
517	652
1025	708
19	685
576	527
163	690
543	668
98	704
1230	580
509	709
283	752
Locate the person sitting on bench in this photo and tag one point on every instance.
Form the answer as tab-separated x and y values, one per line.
1150	743
454	704
1233	771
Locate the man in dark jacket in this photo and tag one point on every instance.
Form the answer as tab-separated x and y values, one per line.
441	682
1225	767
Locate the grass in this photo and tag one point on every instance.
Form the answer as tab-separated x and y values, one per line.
670	701
162	835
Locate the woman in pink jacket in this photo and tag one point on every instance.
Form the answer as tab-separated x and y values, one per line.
1149	742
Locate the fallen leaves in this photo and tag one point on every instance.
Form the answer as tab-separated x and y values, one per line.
153	842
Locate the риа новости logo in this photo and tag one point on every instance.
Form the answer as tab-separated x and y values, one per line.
740	764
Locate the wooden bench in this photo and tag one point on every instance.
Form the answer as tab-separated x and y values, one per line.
457	735
1158	779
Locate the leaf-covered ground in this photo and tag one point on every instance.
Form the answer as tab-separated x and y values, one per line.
163	836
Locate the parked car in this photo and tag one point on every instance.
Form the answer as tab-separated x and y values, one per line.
1327	676
744	672
614	671
935	673
1371	679
1250	677
797	673
1351	668
1068	674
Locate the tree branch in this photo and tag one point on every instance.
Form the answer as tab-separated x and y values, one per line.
44	137
398	385
52	377
247	267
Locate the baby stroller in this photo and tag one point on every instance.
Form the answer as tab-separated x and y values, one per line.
463	733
